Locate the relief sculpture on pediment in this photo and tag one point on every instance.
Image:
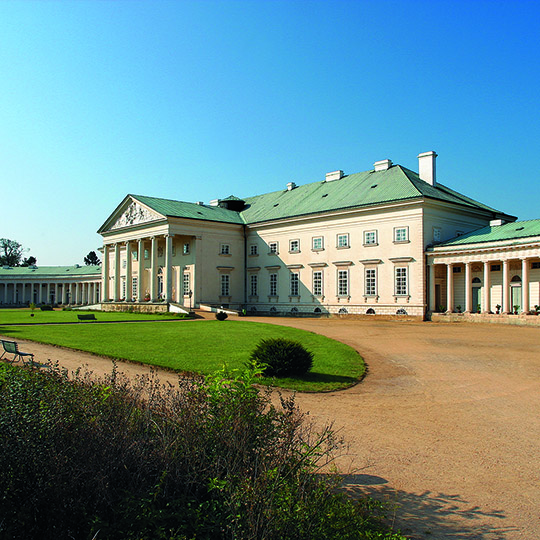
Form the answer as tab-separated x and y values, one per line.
133	215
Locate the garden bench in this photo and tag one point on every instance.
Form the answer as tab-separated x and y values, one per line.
86	317
11	347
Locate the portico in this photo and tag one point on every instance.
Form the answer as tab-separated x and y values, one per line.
495	269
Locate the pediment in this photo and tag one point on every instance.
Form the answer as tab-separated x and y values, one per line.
133	214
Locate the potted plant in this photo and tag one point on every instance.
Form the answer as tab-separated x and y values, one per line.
498	308
536	310
516	309
441	309
458	309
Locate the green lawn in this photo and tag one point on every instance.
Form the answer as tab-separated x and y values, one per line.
26	316
202	346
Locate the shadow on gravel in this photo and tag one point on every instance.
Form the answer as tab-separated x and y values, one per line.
430	515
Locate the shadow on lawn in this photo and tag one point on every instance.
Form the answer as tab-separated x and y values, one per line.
430	515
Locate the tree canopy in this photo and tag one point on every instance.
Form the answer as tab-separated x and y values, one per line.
92	258
11	252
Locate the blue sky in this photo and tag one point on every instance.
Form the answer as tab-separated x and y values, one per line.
201	100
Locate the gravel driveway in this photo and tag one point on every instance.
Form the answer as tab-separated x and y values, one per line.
446	424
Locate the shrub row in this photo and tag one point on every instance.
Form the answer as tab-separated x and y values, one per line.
210	459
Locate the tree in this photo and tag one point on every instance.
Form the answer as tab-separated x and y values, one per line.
10	252
29	261
91	258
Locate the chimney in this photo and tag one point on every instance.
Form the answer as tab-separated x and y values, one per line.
426	167
335	175
290	186
383	165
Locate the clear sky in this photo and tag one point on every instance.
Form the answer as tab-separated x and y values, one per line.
201	100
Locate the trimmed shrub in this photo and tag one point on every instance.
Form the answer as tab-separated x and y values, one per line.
221	315
281	357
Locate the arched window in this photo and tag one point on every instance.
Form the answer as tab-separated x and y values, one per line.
476	280
294	310
515	279
273	310
343	311
370	311
401	311
317	310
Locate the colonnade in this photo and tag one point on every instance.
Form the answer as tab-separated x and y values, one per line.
486	306
22	292
145	290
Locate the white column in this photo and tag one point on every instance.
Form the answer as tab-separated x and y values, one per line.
48	293
432	306
140	279
129	275
468	292
505	289
153	270
56	293
105	275
525	286
449	288
6	292
14	292
116	295
486	297
168	268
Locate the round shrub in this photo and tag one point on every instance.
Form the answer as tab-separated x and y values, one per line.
282	357
221	315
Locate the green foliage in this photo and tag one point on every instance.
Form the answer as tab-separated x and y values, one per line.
221	315
282	357
92	259
213	458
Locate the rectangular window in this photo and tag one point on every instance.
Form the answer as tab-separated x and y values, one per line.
146	254
273	247
253	249
317	243
124	263
173	250
437	234
225	249
317	283
371	282
495	267
134	255
343	282
253	285
456	269
225	284
401	234
294	246
124	288
273	284
535	265
187	284
401	281
370	238
343	240
295	280
134	287
185	249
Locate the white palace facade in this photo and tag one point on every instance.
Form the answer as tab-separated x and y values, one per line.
387	241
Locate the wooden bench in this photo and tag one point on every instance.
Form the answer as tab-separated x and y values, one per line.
11	347
86	317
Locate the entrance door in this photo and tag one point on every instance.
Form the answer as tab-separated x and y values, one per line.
515	298
476	299
438	301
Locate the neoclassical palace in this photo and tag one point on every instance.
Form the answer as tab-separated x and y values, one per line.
387	241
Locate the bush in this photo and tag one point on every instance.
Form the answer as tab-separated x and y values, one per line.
221	315
281	357
46	308
211	458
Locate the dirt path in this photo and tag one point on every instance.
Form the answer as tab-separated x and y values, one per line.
446	424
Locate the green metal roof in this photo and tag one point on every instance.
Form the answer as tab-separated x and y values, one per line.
356	190
49	271
518	230
170	208
369	188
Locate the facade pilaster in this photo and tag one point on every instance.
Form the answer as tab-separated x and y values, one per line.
432	306
449	288
505	289
168	268
468	291
486	297
105	278
525	308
